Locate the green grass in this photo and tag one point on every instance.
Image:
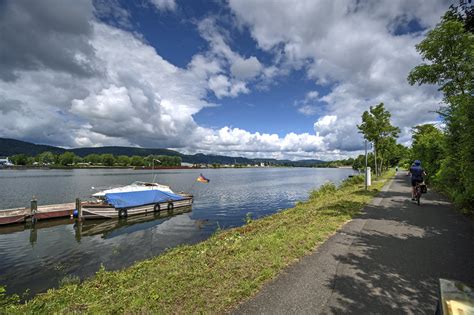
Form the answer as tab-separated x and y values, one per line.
214	275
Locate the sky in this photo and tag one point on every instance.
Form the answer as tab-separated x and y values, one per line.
269	78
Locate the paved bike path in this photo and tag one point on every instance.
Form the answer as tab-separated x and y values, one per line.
386	261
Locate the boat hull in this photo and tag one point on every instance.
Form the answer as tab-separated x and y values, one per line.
101	211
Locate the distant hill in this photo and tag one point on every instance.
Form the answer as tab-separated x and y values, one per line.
9	147
129	151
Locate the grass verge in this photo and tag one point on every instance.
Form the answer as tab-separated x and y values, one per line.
214	275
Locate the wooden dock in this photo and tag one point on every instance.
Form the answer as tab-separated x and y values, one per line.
35	212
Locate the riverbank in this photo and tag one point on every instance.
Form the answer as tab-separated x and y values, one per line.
214	275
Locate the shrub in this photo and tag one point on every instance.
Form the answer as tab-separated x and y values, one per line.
325	189
354	180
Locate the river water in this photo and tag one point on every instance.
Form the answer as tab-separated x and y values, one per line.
43	256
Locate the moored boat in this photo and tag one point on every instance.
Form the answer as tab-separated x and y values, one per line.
134	199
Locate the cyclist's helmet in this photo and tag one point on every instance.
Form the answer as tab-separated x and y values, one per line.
417	162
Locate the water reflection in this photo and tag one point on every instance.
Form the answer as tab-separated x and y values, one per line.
109	228
41	256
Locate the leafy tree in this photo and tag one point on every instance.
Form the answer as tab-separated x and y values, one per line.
19	159
107	159
123	160
398	155
78	159
428	147
449	48
448	55
67	158
376	128
46	158
359	162
137	160
164	160
93	158
30	160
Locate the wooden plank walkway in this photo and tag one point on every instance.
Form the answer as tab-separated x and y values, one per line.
18	215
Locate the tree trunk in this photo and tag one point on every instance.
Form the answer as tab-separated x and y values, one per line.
375	160
381	163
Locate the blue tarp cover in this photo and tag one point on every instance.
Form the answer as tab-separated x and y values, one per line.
140	198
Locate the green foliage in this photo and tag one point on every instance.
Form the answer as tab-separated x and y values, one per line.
337	163
449	52
163	160
137	160
93	159
397	154
46	158
353	181
7	301
377	128
123	160
19	159
325	190
30	161
359	162
68	280
107	159
67	158
248	218
78	159
428	147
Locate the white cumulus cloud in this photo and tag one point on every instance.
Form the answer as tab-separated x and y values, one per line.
354	48
85	83
164	4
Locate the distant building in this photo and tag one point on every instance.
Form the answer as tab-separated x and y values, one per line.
4	161
184	164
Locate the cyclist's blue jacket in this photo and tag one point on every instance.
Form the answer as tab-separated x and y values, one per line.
416	172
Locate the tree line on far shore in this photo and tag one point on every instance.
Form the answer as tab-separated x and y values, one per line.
71	159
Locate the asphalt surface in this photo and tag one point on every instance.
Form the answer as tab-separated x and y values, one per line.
386	261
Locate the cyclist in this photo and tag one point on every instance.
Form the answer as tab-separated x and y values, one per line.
417	173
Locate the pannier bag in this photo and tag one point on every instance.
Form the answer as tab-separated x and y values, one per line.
424	189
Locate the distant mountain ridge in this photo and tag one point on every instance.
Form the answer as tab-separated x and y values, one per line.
9	147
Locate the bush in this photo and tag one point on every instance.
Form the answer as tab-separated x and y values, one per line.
325	189
7	300
354	180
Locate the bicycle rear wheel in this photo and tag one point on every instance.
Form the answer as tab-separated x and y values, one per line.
418	195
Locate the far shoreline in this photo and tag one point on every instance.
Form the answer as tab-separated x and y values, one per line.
147	168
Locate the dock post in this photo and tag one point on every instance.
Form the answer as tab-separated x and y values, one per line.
33	235
34	209
79	209
78	230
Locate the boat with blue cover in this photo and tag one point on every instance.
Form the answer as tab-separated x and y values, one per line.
134	199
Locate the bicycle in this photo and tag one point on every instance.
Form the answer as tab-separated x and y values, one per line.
418	193
420	189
